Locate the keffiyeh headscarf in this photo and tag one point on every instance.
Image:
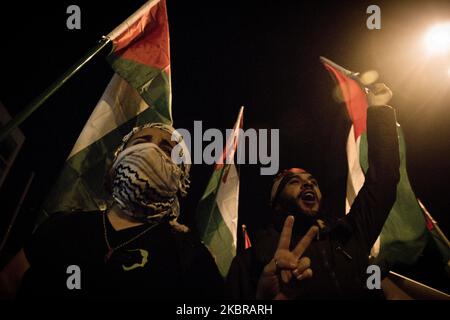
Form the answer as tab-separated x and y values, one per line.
146	181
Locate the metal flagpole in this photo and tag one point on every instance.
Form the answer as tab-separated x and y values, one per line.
36	103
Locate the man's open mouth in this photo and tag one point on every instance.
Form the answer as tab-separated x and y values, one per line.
308	196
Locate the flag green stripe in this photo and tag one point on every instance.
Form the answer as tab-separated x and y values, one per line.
207	202
218	239
80	185
404	234
153	84
212	227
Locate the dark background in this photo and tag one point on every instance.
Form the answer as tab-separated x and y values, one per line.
224	54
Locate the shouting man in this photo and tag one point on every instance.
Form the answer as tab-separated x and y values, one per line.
334	265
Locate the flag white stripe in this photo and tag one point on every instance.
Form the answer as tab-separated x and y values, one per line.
119	103
355	177
227	198
228	201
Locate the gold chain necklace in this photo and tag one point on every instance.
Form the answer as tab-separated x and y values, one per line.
112	249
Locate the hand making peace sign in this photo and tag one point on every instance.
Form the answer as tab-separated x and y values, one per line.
276	279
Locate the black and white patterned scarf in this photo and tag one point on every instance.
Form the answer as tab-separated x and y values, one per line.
146	182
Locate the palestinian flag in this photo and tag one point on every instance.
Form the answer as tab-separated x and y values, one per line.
404	233
217	212
138	93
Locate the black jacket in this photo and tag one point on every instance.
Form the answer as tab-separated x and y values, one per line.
177	265
339	259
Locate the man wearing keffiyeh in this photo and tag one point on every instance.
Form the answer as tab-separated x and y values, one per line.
134	249
144	181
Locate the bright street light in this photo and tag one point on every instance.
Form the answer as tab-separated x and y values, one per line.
437	39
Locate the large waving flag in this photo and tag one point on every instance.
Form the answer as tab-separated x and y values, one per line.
138	93
217	213
404	234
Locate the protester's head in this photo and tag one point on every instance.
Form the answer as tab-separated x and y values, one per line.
144	181
296	192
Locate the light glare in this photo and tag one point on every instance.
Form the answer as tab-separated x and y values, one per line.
437	39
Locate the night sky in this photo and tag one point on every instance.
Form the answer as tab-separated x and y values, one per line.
263	55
